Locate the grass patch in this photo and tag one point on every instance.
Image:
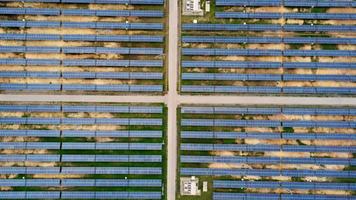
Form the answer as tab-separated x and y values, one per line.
297	179
328	46
344	180
318	10
288	130
350	168
295	46
300	143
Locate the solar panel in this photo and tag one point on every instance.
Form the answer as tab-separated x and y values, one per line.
230	64
264	160
230	52
231	27
268	196
92	25
265	172
242	15
229	110
30	195
274	15
316	3
111	146
112	182
248	3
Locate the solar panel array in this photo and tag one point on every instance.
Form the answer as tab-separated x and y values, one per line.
244	47
267	40
80	195
268	15
81	12
257	52
260	196
93	46
82	37
81	50
125	2
285	151
81	151
287	3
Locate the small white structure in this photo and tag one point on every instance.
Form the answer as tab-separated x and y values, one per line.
207	6
205	186
189	186
192	7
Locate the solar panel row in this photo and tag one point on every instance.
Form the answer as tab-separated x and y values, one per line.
273	15
73	87
87	75
82	121
117	134
112	182
319	3
80	12
269	196
80	50
81	145
268	90
262	148
82	170
268	123
89	25
82	62
80	182
267	40
111	109
268	27
79	133
114	158
111	146
266	135
264	77
267	110
266	172
29	157
267	160
230	110
84	108
286	185
79	158
287	3
30	195
262	52
248	3
80	195
133	2
82	37
264	65
80	75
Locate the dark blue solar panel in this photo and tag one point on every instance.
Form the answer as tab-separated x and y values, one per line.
231	27
248	3
318	3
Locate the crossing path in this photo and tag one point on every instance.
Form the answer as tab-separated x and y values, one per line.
171	99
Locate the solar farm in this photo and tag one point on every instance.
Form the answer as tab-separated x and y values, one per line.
82	46
269	152
82	151
270	47
178	99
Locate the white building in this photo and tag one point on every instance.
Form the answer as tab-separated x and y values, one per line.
192	7
189	186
